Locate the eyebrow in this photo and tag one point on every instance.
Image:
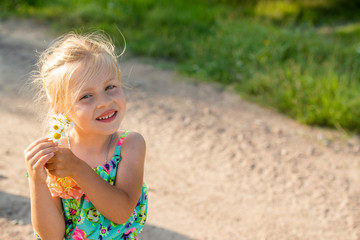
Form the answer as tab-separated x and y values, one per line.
106	82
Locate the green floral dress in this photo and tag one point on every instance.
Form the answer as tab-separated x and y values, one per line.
84	222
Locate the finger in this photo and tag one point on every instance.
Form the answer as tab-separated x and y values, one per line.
32	162
42	160
50	166
43	152
51	160
35	143
53	172
41	147
57	173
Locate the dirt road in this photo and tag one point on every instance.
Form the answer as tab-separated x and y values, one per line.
217	166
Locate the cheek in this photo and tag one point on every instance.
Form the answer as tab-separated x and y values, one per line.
119	98
122	99
124	102
79	114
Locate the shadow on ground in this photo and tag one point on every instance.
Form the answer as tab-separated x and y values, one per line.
14	207
17	208
151	232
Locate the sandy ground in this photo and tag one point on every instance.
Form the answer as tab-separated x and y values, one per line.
218	167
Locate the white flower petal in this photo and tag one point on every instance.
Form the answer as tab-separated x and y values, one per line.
62	123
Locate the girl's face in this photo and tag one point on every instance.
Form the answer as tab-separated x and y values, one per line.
100	107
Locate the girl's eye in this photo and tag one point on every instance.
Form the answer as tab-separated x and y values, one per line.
110	87
85	96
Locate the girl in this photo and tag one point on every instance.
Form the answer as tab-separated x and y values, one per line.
81	79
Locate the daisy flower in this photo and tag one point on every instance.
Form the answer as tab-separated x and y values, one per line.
62	187
59	124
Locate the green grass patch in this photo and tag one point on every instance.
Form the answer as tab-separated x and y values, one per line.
306	71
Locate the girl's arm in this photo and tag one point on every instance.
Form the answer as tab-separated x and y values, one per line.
46	212
116	202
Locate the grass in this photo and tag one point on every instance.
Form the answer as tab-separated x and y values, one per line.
301	64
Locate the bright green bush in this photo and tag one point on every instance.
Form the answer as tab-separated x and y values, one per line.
303	71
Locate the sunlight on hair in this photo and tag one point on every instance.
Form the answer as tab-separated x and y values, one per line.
63	68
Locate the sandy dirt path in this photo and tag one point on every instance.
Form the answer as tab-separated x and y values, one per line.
218	167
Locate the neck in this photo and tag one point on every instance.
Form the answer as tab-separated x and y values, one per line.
92	144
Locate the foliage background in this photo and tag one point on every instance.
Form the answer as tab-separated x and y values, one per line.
299	57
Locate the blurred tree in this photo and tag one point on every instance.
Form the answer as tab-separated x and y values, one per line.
13	4
237	2
333	11
311	11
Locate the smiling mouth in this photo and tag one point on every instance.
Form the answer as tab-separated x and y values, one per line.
108	117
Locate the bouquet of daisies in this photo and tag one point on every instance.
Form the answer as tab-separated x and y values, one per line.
62	187
58	127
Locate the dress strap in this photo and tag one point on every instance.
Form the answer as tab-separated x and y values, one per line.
120	142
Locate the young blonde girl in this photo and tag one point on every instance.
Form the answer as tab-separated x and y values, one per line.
80	77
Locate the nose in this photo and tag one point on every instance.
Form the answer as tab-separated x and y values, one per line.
104	100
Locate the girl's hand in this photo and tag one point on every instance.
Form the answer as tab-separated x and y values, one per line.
63	163
36	156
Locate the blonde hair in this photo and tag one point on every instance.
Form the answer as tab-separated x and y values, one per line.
73	58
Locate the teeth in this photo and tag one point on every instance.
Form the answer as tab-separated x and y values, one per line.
106	117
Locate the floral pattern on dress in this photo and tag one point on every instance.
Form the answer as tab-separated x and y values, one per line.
84	221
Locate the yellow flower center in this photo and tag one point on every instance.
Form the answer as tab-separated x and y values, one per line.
57	136
56	127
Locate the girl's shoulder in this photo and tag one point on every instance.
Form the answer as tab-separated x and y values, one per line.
130	139
132	161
